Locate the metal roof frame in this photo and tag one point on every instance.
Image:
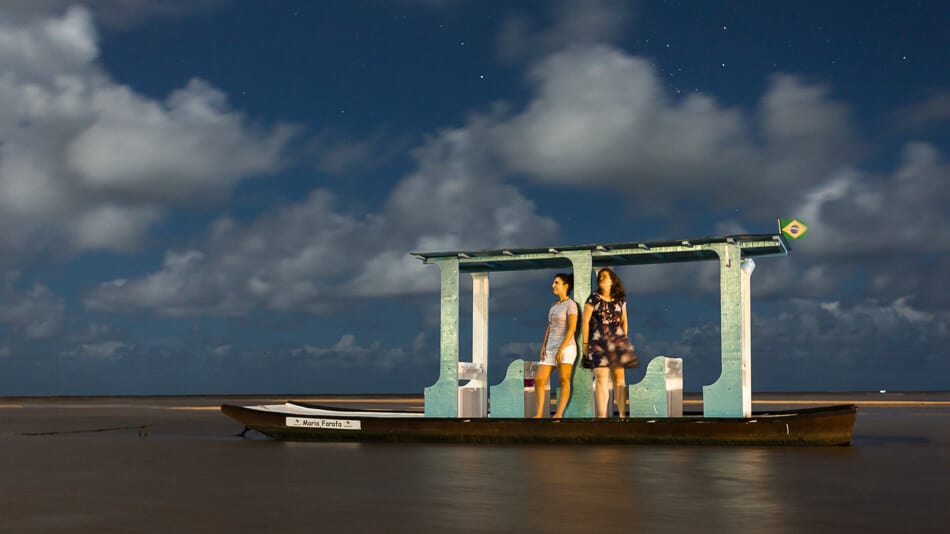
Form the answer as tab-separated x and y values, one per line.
609	254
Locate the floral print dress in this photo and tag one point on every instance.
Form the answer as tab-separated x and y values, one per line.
608	345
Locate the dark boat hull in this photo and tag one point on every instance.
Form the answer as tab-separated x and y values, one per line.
832	425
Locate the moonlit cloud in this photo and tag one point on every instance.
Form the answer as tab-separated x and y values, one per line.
92	164
301	257
349	352
112	227
856	213
573	22
601	117
934	109
36	312
611	127
105	351
192	145
117	14
337	155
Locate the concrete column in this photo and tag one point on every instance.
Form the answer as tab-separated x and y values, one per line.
441	398
480	324
731	394
473	395
582	387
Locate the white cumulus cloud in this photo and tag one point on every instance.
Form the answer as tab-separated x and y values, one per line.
88	163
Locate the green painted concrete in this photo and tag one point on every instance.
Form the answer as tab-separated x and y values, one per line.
582	381
649	397
441	398
507	398
724	398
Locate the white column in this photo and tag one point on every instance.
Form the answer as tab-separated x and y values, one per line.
480	325
747	266
473	395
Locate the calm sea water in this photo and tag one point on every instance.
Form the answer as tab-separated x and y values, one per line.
176	465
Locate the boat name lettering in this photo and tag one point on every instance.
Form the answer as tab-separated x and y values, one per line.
336	424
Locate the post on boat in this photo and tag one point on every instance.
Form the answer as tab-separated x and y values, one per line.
441	398
581	403
473	395
731	394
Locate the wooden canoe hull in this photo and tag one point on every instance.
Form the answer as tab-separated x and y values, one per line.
832	425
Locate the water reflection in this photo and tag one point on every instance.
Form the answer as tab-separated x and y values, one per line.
584	488
599	487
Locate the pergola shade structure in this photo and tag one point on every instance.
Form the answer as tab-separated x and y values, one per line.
729	396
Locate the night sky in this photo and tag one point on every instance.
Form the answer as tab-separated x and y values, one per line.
220	196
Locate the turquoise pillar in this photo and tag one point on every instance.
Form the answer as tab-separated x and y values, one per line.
660	393
581	403
731	394
441	398
507	398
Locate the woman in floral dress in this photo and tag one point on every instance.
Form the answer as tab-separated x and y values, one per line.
607	349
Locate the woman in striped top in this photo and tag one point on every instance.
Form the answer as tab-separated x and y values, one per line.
558	348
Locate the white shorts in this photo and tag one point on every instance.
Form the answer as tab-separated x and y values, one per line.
567	357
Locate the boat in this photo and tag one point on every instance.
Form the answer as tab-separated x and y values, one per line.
299	421
459	412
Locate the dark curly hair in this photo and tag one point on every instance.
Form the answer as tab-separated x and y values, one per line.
616	286
566	279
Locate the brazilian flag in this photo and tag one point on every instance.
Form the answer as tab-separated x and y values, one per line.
792	228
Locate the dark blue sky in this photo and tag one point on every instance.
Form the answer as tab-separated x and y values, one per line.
219	196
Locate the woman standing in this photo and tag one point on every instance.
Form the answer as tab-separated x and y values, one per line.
607	349
558	348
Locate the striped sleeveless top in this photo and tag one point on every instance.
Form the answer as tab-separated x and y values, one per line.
557	322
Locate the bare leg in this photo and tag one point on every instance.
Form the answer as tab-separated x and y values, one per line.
601	391
564	388
540	384
620	390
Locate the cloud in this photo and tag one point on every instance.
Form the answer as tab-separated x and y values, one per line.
599	120
310	255
347	351
112	227
192	145
286	260
934	109
877	336
89	164
572	22
821	344
525	350
106	351
116	14
35	313
602	118
857	214
336	154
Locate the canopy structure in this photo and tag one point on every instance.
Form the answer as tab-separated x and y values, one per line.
729	396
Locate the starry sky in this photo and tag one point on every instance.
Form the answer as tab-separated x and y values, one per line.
219	196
